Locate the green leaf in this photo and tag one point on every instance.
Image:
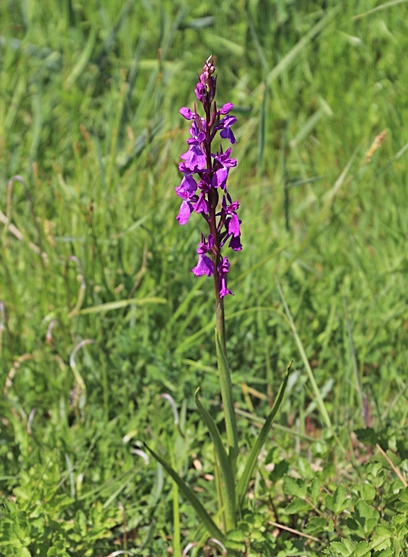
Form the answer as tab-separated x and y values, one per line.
370	437
297	506
227	476
243	483
403	495
376	474
279	470
384	531
57	552
367	492
294	487
188	493
366	511
402	504
363	520
314	490
338	501
362	549
380	542
236	535
317	525
343	549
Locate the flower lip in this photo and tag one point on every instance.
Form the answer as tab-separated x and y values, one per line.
205	266
223	269
186	113
187	188
226	108
184	212
224	159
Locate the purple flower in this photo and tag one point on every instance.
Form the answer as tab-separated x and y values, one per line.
223	269
232	221
205	88
201	205
233	226
224	159
226	108
222	165
205	266
200	92
220	178
187	188
227	133
204	184
205	245
184	212
225	127
194	159
186	113
235	243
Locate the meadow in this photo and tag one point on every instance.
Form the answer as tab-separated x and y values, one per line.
100	315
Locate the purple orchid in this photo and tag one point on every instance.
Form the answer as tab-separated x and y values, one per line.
203	188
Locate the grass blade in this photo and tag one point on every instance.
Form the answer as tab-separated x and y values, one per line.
119	304
176	512
83	59
300	46
319	399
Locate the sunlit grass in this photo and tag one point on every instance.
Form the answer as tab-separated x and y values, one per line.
90	249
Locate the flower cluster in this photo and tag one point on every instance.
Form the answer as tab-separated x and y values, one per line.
203	188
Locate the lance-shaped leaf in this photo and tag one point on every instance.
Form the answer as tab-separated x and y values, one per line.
188	493
243	483
227	476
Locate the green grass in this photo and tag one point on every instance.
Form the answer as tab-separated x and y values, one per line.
90	249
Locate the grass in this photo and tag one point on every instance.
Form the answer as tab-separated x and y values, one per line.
91	251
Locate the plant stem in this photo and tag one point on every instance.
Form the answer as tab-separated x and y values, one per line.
226	392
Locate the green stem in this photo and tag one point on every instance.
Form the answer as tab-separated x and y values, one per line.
220	323
226	395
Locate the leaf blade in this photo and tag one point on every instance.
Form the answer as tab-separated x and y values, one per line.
243	483
228	483
188	493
